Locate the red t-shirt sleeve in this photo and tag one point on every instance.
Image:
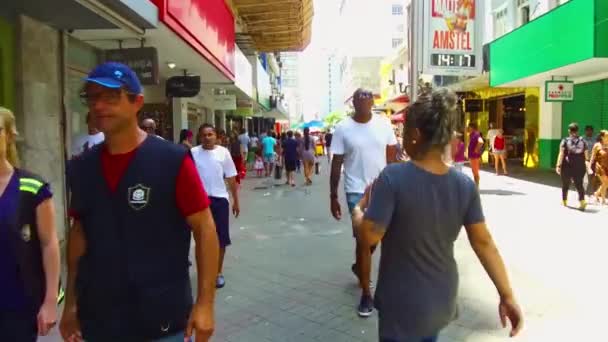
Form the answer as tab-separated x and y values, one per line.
191	196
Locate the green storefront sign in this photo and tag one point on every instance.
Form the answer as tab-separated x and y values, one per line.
572	33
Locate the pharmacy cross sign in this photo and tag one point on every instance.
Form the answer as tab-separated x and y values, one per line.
559	91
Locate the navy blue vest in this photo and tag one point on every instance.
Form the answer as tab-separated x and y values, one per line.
133	282
25	241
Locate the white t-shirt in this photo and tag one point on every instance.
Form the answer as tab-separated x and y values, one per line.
213	167
86	142
491	136
364	150
254	142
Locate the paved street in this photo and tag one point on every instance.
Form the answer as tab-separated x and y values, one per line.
288	271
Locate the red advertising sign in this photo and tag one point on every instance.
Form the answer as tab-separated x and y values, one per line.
452	43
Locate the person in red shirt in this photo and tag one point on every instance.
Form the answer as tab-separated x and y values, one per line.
114	97
500	153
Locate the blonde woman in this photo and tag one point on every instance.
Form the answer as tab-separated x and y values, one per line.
29	248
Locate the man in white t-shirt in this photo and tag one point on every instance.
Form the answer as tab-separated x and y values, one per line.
85	142
363	144
216	168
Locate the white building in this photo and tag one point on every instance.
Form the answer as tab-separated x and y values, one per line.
291	85
371	30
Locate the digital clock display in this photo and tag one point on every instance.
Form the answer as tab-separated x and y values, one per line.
452	60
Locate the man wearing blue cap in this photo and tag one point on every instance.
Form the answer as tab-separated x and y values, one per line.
128	247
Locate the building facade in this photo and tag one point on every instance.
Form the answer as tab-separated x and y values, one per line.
372	31
535	57
46	49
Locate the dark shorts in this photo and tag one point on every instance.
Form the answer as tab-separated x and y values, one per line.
291	165
220	209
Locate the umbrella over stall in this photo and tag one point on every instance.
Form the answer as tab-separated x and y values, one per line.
313	124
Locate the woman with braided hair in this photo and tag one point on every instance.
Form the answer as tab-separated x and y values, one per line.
417	210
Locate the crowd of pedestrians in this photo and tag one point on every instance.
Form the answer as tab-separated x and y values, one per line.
133	194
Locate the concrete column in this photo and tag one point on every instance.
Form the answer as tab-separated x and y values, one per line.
550	130
39	112
180	115
222	124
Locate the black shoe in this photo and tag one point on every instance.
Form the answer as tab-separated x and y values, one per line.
366	306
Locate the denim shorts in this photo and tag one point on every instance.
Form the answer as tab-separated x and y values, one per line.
352	199
269	158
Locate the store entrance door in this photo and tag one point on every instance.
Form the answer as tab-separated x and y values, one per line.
513	124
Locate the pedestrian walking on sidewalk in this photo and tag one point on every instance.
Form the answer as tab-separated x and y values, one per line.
258	164
364	144
291	156
185	138
29	248
328	137
237	158
136	202
216	168
571	165
417	210
590	181
599	165
269	147
499	151
475	150
308	155
300	141
458	151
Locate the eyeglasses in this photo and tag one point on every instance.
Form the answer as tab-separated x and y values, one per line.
109	96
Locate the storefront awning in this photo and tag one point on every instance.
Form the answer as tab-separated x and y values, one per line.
276	25
398	117
273	114
135	16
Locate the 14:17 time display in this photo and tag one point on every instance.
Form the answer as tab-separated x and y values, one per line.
452	60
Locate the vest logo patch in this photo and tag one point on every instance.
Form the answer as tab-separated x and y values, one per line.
139	196
26	233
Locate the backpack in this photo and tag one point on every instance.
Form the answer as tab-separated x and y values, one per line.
572	148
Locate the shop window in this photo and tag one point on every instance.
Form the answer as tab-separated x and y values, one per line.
397	42
397	9
500	22
523	12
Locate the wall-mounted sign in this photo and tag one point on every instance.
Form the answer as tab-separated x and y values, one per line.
452	39
183	86
224	102
144	61
559	91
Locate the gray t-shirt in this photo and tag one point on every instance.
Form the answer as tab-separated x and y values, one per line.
418	277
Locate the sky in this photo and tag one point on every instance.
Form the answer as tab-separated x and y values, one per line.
313	60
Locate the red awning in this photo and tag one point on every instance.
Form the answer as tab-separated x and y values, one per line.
400	99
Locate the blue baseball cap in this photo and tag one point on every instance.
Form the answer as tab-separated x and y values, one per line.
115	75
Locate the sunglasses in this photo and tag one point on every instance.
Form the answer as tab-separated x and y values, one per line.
365	95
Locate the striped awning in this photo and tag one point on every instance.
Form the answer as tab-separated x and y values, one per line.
275	25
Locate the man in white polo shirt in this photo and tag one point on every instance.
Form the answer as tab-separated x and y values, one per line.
364	143
215	166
